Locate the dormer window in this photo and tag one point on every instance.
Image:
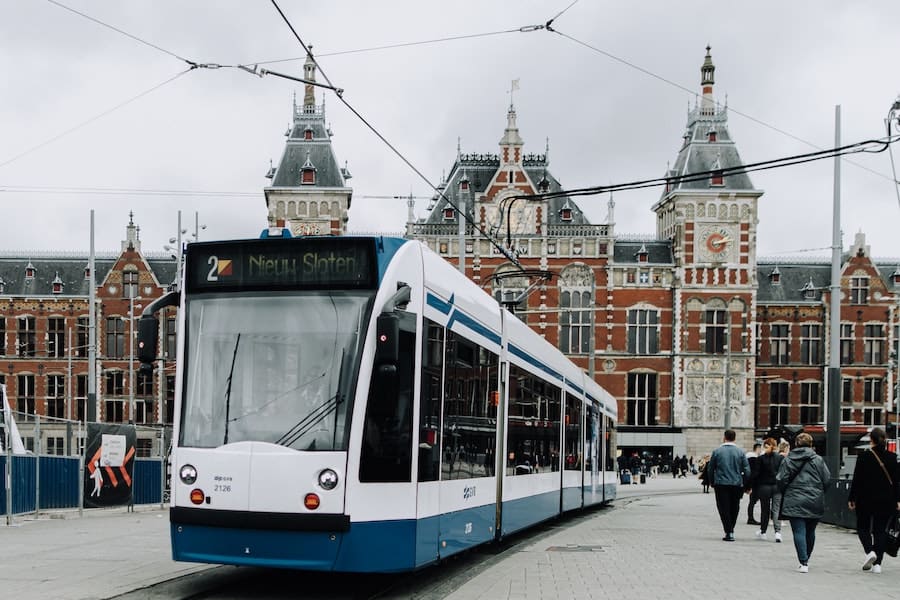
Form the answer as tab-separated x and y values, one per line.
2	285
29	271
464	185
895	276
449	214
87	272
308	172
642	254
307	134
717	174
775	276
57	285
712	136
565	214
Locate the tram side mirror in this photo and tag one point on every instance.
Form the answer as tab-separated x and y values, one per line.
148	331
387	340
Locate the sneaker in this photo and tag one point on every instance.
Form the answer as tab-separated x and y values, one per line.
871	557
778	537
760	535
729	537
803	569
876	568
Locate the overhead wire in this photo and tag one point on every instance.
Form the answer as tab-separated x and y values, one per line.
693	93
101	191
399	154
120	31
92	119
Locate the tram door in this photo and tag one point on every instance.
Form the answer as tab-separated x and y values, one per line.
594	484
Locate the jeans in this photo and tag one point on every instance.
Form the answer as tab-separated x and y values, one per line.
804	537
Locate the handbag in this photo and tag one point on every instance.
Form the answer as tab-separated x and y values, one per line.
892	536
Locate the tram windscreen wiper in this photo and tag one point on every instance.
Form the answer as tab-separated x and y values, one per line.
228	387
319	413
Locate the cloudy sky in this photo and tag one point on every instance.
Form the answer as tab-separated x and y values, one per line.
92	118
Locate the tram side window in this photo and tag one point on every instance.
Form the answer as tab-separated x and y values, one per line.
590	442
470	410
573	433
387	435
430	402
609	444
533	427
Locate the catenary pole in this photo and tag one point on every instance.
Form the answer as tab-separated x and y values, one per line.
833	415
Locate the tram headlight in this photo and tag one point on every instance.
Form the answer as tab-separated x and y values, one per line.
188	474
328	479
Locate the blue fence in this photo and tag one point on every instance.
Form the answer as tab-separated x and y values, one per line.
59	482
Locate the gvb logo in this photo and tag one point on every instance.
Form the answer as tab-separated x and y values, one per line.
468	492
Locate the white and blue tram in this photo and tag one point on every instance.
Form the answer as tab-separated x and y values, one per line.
356	404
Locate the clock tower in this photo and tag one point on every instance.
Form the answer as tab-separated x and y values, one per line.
709	212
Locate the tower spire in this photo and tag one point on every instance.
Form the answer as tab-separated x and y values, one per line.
707	81
511	143
309	74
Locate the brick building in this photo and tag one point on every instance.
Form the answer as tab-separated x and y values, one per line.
44	341
680	327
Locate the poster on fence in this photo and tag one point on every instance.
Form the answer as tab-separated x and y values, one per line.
108	465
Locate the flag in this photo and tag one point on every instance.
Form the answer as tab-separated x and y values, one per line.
15	440
515	85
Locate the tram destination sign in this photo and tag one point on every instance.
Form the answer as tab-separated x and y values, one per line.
323	263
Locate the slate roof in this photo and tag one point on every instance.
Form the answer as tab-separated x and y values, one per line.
70	269
796	278
318	151
480	170
659	252
698	154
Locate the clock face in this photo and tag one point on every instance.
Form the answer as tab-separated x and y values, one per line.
716	243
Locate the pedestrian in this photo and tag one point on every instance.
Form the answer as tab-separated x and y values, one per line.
875	496
803	478
767	468
728	472
704	474
783	448
752	457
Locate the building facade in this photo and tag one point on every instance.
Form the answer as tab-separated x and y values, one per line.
45	342
309	193
679	327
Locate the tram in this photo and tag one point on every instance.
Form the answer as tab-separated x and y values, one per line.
355	404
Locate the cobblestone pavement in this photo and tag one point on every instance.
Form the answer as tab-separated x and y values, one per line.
663	540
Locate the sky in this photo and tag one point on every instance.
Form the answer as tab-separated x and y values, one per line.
91	118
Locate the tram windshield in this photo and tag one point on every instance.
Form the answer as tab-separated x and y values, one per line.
278	368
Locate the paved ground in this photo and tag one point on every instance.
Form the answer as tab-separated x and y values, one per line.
659	540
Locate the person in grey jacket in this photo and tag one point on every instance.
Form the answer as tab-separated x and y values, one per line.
728	471
803	478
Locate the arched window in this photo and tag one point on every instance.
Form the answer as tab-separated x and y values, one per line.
576	285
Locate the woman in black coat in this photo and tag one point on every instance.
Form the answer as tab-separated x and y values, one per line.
767	465
875	496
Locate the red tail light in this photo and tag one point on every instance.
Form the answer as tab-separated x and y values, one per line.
311	501
197	496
